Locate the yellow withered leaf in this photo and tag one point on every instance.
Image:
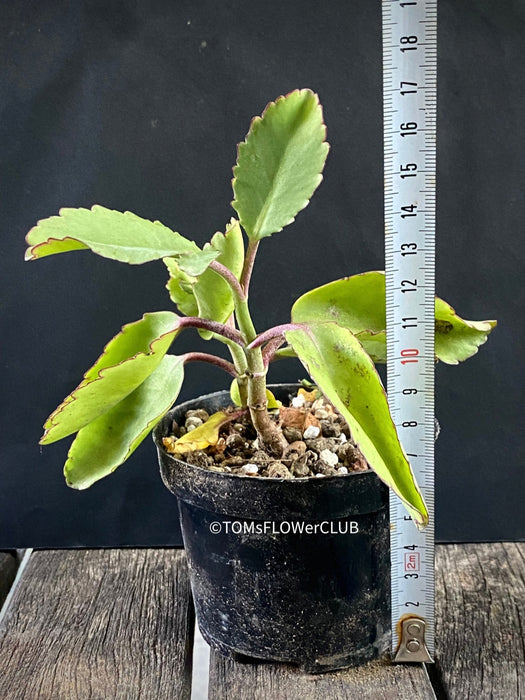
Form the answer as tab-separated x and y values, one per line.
199	438
309	395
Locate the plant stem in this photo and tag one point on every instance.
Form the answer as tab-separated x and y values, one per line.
219	328
249	260
228	275
211	359
252	383
272	333
244	319
271	348
267	430
239	360
242	312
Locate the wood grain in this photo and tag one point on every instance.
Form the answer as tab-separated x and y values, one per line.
480	606
265	681
99	624
8	567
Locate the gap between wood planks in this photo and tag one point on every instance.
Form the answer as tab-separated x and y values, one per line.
22	560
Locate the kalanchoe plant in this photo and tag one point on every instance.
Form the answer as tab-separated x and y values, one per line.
337	331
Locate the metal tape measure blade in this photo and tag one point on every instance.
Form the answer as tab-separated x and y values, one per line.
409	87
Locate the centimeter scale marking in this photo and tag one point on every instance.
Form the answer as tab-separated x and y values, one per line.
409	89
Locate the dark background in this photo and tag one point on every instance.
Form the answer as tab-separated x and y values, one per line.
139	106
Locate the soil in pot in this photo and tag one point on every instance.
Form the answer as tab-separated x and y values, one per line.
319	441
290	567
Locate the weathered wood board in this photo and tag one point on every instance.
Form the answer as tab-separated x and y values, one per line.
119	624
99	624
375	681
8	567
480	635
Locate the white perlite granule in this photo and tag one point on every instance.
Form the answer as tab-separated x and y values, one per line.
311	432
250	469
298	401
329	457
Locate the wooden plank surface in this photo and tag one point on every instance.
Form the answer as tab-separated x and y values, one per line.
118	624
99	624
8	567
375	681
480	635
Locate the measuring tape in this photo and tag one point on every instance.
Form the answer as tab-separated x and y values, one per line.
409	86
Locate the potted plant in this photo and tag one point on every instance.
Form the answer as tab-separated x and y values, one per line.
282	490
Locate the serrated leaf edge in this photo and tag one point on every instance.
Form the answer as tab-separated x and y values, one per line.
254	126
63	211
132	447
52	422
485	326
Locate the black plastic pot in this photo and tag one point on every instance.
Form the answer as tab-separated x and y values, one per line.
319	598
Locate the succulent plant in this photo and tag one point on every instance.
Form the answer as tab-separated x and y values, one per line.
337	331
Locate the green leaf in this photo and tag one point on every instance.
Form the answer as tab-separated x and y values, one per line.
180	288
374	344
213	294
358	303
279	164
100	447
113	234
235	394
128	359
456	338
347	376
195	264
273	403
287	351
209	295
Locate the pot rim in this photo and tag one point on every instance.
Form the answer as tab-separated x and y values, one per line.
160	431
335	496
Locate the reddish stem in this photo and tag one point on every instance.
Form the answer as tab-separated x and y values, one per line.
213	327
211	359
275	332
228	275
249	260
271	348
